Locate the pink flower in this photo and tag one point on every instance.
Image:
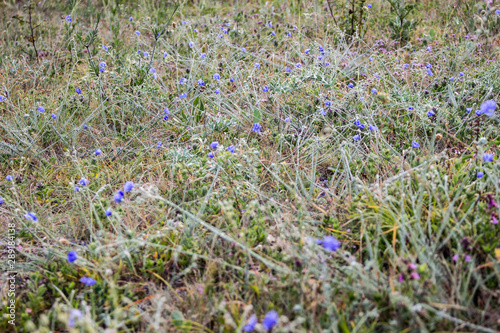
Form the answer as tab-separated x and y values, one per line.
455	257
415	276
491	201
401	278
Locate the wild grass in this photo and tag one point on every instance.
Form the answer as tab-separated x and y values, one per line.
357	141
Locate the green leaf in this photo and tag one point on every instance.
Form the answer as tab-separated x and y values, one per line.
257	116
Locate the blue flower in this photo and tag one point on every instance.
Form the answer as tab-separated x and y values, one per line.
77	189
328	103
428	48
289	34
139	51
224	31
372	128
376	76
428	65
232	79
216	76
88	281
137	33
298	65
331	243
165	54
497	11
230	149
273	33
288	119
410	108
102	64
105	48
9	178
1	200
307	51
41	109
183	95
256	127
257	65
415	144
68	18
78	90
452	79
214	145
2	98
250	325
102	69
98	152
370	59
31	216
270	24
84	181
211	155
478	112
430	113
369	5
243	50
195	30
374	91
118	196
323	112
488	108
53	116
182	80
201	82
131	18
128	186
146	54
468	110
108	212
165	117
488	157
480	174
350	85
72	256
158	144
191	44
287	69
152	70
203	55
265	89
356	137
429	72
270	320
217	91
406	66
461	74
74	315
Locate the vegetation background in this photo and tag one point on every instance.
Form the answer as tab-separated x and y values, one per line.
196	165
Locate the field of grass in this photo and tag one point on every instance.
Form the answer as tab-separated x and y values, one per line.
237	166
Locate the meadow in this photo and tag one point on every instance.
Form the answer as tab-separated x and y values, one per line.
250	166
